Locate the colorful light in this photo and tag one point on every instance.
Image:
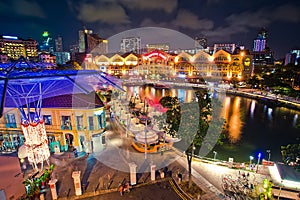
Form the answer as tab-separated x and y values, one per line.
36	142
10	37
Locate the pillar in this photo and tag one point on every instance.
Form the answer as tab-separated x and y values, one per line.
132	167
77	184
52	184
152	168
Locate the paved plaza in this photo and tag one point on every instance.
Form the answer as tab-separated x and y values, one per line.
103	171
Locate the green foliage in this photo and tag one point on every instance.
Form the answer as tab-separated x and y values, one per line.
172	116
34	184
291	153
264	190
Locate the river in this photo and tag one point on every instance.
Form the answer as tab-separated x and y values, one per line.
253	127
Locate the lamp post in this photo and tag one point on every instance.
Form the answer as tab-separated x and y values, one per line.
250	163
269	152
259	155
146	138
251	158
128	123
193	150
215	155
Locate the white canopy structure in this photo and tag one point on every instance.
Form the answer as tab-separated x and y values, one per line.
150	137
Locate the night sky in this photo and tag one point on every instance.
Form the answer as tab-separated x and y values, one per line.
224	21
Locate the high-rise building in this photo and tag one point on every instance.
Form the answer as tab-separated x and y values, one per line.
47	43
62	57
59	44
16	47
91	42
260	43
293	57
130	44
200	43
262	54
229	47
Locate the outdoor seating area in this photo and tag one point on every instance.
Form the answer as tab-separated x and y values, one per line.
137	116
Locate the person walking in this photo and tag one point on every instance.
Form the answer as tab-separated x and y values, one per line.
121	190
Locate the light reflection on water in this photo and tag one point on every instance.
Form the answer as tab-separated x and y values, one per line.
252	125
234	120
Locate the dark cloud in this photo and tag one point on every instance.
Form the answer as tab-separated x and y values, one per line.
243	22
186	19
109	12
165	5
22	8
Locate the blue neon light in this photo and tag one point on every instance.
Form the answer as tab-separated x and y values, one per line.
10	37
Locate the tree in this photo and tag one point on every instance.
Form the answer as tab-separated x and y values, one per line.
291	154
191	123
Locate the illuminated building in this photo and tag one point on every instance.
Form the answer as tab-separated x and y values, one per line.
293	57
47	58
262	54
230	47
130	44
62	57
200	43
70	120
58	44
162	47
260	42
47	43
221	66
16	47
90	42
3	58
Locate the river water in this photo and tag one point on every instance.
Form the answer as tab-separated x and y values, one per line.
253	127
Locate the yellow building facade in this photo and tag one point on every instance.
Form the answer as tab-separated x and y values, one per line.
222	65
66	126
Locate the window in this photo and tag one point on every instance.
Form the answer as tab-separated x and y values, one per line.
66	123
91	123
100	121
79	122
11	121
47	119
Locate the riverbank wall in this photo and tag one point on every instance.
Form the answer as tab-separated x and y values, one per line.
269	100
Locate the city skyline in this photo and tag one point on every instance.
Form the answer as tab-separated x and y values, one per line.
218	20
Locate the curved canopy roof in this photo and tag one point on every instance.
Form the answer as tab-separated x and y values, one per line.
23	82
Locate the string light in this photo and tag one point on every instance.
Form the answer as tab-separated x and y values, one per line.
36	141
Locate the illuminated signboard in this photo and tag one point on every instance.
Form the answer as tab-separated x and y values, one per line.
156	54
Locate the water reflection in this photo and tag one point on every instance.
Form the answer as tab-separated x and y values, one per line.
295	120
252	108
270	110
233	118
251	123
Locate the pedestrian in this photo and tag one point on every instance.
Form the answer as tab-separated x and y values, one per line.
121	190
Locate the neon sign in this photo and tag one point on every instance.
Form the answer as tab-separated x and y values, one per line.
156	54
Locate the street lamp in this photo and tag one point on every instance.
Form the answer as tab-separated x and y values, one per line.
259	155
193	149
215	155
251	158
269	152
250	163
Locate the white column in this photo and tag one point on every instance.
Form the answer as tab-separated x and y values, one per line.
132	167
152	168
52	184
77	183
